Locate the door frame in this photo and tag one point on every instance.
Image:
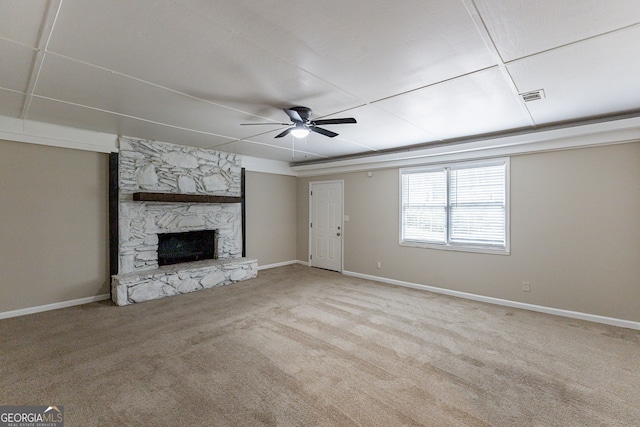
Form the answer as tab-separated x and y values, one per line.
309	236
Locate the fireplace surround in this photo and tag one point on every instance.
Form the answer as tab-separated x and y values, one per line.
174	173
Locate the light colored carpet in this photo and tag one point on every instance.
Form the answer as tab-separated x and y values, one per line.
302	346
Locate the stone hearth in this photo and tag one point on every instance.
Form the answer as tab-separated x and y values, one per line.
182	278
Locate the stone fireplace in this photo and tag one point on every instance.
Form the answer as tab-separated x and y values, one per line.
169	192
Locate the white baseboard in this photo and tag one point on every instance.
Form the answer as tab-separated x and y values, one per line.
54	306
277	264
508	303
475	297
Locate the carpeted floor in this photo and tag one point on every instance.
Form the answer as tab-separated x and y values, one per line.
305	347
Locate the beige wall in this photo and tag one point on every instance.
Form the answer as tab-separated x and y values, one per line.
53	225
271	217
575	229
575	234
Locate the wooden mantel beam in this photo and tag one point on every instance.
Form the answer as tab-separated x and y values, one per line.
184	198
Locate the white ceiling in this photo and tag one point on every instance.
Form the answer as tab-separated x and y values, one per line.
410	71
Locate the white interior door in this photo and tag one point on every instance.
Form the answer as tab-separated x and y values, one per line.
325	224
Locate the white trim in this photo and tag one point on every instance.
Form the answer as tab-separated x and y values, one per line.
507	303
604	133
256	164
32	132
277	264
456	247
54	306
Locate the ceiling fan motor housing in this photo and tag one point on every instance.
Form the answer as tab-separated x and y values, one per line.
303	112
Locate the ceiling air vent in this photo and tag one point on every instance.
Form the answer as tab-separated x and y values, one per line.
533	95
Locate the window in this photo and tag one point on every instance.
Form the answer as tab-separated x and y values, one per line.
462	206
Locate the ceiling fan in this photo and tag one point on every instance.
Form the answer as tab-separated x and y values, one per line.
301	123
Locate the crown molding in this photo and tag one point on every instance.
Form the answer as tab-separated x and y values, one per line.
256	164
588	135
579	136
32	132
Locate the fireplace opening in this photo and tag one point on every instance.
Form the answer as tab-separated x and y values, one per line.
174	248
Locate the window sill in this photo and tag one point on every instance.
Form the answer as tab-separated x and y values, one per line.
457	248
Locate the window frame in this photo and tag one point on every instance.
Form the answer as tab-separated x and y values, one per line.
447	245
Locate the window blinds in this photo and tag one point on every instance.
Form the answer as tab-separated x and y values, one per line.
424	213
477	205
455	205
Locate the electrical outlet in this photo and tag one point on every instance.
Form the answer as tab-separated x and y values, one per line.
526	287
379	264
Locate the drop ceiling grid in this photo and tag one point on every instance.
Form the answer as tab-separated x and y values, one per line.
47	110
586	79
206	61
97	89
411	73
80	84
438	40
125	96
53	111
474	104
286	152
521	28
392	131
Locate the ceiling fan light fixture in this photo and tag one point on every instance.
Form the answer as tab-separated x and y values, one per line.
300	132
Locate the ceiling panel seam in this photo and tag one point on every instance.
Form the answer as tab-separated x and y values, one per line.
235	34
435	137
170	126
470	73
270	146
12	90
19	43
484	33
146	82
44	36
130	116
575	42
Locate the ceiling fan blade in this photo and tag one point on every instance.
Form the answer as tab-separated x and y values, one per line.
322	131
260	124
334	121
293	115
284	133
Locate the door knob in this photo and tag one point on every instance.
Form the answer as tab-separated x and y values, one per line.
338	234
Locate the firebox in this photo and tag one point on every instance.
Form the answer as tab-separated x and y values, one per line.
174	248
